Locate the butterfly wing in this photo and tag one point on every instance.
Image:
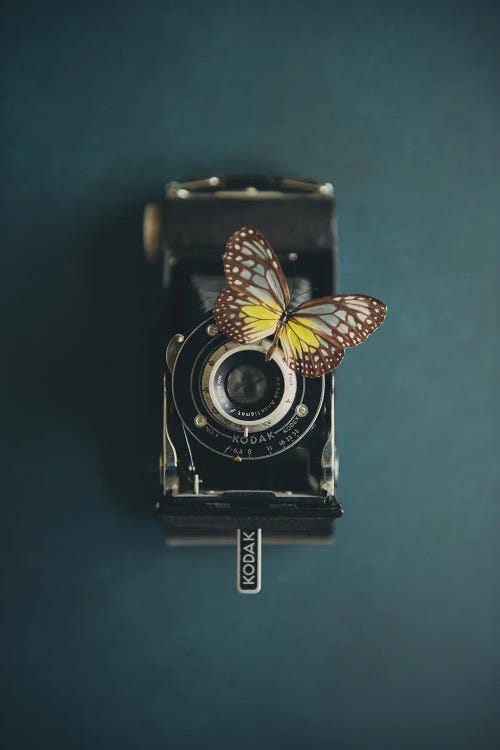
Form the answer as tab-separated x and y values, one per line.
258	295
318	331
344	320
243	318
251	264
307	351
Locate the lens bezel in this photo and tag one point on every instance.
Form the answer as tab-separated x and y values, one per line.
279	395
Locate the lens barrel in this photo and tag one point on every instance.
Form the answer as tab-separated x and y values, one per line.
246	387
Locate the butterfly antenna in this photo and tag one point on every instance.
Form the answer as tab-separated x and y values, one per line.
301	294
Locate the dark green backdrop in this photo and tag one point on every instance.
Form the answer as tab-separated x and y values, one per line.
385	640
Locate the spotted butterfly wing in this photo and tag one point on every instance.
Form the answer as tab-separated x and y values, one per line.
316	333
258	293
243	317
308	352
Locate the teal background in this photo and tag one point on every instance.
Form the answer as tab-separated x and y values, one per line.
385	640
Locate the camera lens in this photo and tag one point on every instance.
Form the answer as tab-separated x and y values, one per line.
246	385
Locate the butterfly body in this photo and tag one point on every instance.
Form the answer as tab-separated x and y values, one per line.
285	315
312	335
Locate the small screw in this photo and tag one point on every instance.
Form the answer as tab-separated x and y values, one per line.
292	256
179	338
212	330
172	261
301	410
200	420
326	189
182	193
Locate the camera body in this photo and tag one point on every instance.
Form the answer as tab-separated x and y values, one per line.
245	444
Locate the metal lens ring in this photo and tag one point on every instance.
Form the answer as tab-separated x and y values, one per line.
245	389
237	404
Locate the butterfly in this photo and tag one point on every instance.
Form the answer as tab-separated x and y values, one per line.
313	335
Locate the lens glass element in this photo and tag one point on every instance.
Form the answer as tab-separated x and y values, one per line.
246	385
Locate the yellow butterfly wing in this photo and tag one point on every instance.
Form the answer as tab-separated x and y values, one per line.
243	319
317	332
258	293
306	351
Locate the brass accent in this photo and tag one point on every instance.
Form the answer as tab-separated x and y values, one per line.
151	230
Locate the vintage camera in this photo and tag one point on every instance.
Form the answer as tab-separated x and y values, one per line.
248	447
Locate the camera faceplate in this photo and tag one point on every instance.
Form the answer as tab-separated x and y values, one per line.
235	403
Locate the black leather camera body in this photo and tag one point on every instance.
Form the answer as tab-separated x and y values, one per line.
246	445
